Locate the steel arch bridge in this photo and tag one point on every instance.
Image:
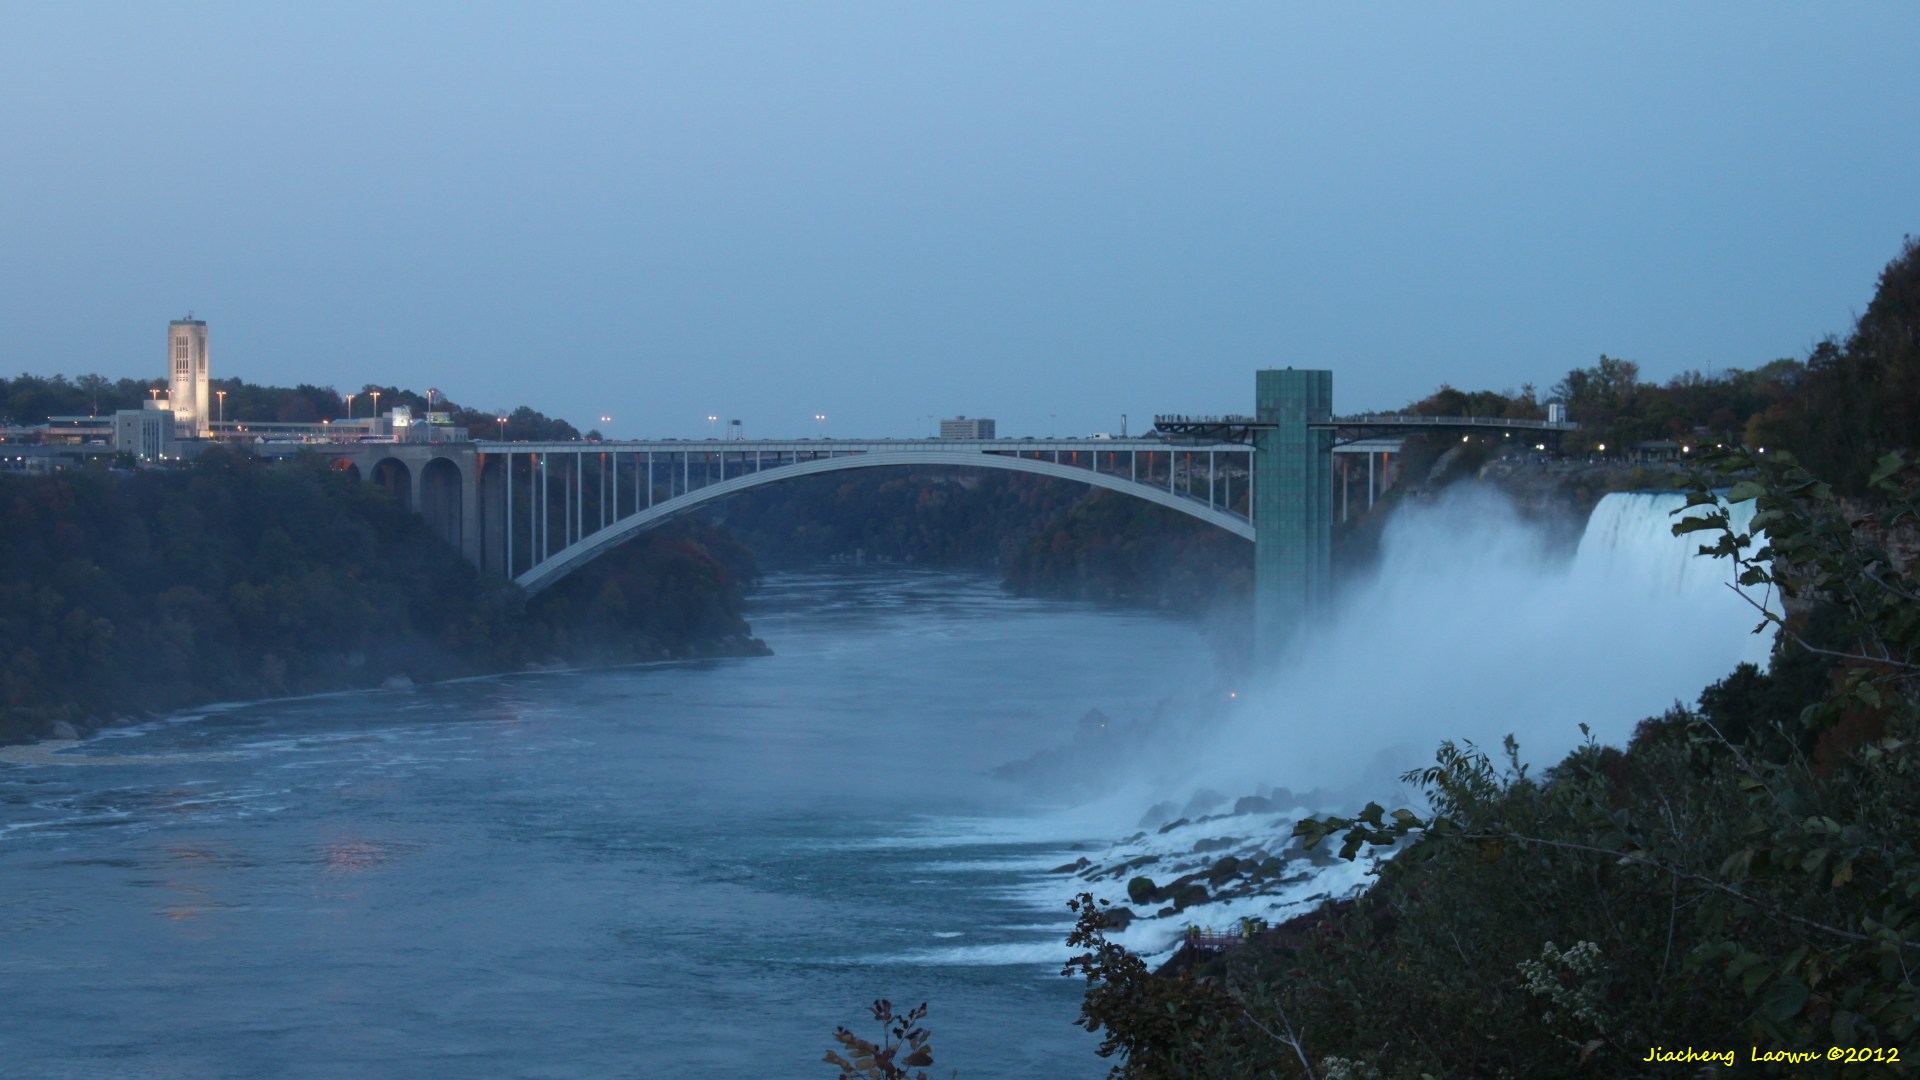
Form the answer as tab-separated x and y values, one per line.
536	511
562	504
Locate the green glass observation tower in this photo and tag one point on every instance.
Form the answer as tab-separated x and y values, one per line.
1293	502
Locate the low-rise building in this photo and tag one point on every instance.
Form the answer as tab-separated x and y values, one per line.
147	434
961	427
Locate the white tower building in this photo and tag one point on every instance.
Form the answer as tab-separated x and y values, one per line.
187	374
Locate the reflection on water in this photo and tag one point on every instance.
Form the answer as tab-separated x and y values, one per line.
661	869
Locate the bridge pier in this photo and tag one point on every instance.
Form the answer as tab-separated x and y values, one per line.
491	486
1293	503
438	481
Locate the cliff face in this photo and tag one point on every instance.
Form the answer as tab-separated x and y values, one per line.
1901	543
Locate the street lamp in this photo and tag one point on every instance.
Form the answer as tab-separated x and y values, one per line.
350	398
711	420
820	421
430	392
503	427
606	427
376	403
222	395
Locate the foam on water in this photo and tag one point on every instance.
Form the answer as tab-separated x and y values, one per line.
1471	629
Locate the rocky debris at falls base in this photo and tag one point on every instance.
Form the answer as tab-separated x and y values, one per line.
1218	874
1213	861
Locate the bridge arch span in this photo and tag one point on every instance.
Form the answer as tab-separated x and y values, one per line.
392	474
440	499
599	543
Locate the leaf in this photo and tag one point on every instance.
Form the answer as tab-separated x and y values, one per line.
1843	873
1784	1000
1738	864
1886	467
1742	960
1745	490
1699	524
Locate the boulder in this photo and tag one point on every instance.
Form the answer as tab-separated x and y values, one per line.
65	730
1141	890
1190	896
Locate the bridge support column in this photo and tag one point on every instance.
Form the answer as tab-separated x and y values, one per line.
493	530
470	543
1293	489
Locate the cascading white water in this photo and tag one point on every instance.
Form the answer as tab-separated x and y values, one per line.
1472	629
1630	534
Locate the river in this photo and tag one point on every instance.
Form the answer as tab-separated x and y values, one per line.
675	869
705	867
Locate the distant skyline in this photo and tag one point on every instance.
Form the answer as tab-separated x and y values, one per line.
885	214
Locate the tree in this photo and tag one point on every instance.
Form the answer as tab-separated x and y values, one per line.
1707	884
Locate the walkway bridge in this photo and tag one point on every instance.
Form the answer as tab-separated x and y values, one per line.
536	511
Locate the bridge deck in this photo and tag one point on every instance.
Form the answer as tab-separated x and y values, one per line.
854	446
1240	429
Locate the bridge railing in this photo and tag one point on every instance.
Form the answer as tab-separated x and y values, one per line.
1410	420
1177	420
1184	420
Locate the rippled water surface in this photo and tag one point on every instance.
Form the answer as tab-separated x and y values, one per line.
668	870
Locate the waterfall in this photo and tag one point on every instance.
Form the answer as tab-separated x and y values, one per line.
1472	628
1630	534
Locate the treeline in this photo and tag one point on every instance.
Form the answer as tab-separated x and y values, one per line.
1046	537
237	578
1860	395
31	399
1850	398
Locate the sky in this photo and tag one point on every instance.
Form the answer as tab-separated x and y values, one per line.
1051	214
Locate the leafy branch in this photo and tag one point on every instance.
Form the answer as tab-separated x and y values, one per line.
902	1046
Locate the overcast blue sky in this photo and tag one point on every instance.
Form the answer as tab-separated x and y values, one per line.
1051	214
